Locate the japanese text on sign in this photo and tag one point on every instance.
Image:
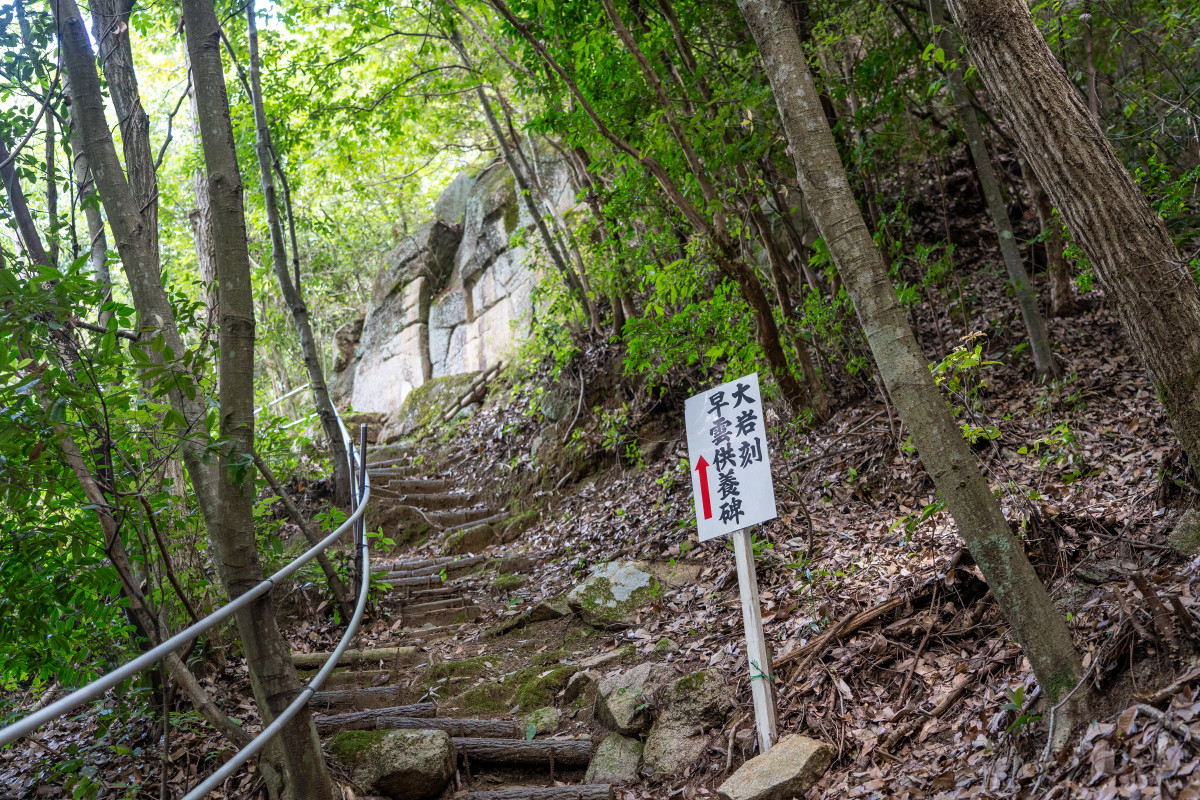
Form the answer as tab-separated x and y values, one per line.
727	450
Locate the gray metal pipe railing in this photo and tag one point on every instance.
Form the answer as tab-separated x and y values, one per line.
260	741
361	493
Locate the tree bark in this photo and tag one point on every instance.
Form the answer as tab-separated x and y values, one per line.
1137	264
944	453
383	720
1035	324
532	752
273	678
291	291
85	191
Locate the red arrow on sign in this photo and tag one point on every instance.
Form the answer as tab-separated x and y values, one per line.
702	468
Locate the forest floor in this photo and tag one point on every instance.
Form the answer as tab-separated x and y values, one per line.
929	697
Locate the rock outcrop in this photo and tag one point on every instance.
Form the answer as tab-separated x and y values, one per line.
455	296
693	706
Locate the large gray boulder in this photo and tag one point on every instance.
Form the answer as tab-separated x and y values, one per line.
624	701
612	594
402	765
692	706
787	770
616	760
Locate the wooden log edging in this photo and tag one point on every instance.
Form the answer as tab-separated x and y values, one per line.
373	697
383	719
531	752
395	655
450	566
586	791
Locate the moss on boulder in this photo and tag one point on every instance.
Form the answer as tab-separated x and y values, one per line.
397	764
1185	537
426	404
611	596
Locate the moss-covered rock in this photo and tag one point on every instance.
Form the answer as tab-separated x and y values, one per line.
1185	537
489	698
693	704
537	686
544	721
426	404
611	596
467	666
616	760
397	764
505	582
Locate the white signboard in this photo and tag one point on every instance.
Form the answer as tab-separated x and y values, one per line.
727	449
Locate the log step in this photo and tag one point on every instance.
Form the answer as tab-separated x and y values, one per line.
586	791
370	698
451	566
442	501
403	512
418	485
401	565
532	752
381	720
434	605
445	616
359	679
394	655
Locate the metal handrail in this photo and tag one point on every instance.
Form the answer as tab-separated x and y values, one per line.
360	494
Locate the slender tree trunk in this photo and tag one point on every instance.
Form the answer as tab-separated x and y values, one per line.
1143	276
1089	60
272	676
51	189
1062	296
1035	324
944	452
200	217
86	190
134	225
291	291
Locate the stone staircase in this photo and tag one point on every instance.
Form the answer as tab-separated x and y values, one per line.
491	759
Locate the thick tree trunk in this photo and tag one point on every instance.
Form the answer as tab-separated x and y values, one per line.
1035	324
1127	244
1041	631
291	291
1062	296
272	676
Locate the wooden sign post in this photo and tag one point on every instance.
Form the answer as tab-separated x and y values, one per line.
733	490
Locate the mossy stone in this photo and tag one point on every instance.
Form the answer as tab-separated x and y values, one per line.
544	720
1185	537
612	594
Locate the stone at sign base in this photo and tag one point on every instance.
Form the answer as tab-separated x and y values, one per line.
787	770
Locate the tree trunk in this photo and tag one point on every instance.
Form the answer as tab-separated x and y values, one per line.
944	453
200	217
1127	244
85	189
291	291
1062	296
273	678
1089	60
134	225
1035	324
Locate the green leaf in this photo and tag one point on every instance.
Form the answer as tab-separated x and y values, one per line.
530	731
